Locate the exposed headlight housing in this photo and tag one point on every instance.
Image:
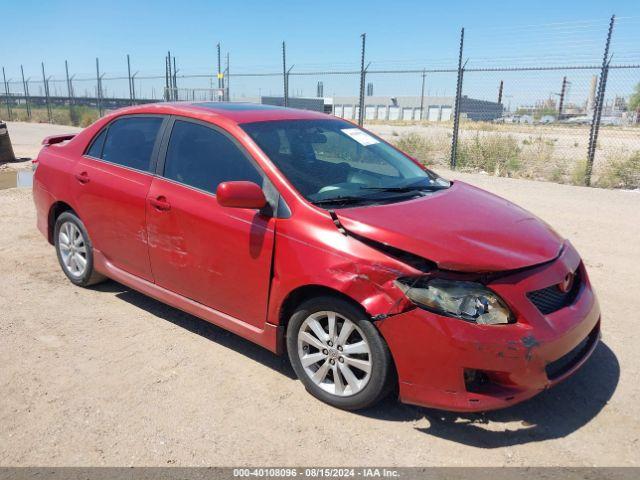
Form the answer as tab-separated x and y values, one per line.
468	301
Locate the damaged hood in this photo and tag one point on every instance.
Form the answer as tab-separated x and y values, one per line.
461	228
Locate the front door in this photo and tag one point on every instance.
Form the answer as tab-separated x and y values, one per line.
217	256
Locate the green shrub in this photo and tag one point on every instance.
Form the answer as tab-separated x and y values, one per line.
579	174
621	172
417	146
494	154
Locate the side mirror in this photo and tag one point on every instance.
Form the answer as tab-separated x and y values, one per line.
240	195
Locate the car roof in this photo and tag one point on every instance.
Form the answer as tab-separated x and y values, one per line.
235	112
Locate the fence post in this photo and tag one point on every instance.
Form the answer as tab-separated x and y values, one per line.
166	79
563	92
219	69
130	81
133	87
175	80
226	85
98	88
424	76
69	95
456	110
362	80
25	86
285	75
597	111
6	95
45	83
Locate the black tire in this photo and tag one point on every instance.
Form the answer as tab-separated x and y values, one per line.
89	276
382	375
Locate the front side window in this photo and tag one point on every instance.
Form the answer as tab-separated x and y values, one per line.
202	157
130	142
329	160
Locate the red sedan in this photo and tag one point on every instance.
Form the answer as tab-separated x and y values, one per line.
308	235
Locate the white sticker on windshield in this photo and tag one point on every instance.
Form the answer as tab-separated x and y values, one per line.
363	138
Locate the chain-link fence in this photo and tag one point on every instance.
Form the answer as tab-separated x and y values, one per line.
557	101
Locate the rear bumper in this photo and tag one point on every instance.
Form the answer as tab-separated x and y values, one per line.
43	201
516	361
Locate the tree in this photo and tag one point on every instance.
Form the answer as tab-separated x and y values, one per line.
634	101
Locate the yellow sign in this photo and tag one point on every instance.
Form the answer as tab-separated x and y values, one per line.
221	75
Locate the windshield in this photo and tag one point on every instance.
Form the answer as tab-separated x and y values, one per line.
332	161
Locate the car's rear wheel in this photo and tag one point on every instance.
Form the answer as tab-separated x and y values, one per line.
74	250
338	354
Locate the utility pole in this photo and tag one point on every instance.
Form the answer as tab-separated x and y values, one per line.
500	89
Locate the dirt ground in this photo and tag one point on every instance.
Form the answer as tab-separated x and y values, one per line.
107	376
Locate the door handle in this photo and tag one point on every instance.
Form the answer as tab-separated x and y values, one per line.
160	203
82	177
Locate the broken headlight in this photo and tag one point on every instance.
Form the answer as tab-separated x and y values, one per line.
468	301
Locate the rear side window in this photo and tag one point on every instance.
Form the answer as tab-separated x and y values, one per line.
95	150
202	157
130	142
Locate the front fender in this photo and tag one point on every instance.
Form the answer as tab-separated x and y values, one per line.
323	256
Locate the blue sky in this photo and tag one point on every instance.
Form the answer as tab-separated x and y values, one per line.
319	34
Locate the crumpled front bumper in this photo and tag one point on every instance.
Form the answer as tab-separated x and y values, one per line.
432	352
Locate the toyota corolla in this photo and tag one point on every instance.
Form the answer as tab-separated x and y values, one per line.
310	236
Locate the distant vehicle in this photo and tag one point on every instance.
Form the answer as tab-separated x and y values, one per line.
526	119
306	234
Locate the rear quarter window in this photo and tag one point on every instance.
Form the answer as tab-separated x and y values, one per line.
95	150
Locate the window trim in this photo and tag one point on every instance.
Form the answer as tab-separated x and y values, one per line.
164	147
153	161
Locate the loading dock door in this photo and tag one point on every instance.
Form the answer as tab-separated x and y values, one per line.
433	114
446	114
370	112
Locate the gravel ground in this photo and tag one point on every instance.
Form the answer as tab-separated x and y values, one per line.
106	376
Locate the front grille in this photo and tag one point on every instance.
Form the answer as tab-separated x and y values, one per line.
568	361
551	299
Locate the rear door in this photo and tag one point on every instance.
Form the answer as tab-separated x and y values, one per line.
217	256
111	183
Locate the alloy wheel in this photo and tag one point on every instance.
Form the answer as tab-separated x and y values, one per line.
73	249
334	353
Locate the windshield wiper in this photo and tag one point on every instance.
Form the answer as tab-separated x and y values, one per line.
344	199
408	188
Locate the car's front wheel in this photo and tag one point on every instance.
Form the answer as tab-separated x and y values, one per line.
74	250
338	354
